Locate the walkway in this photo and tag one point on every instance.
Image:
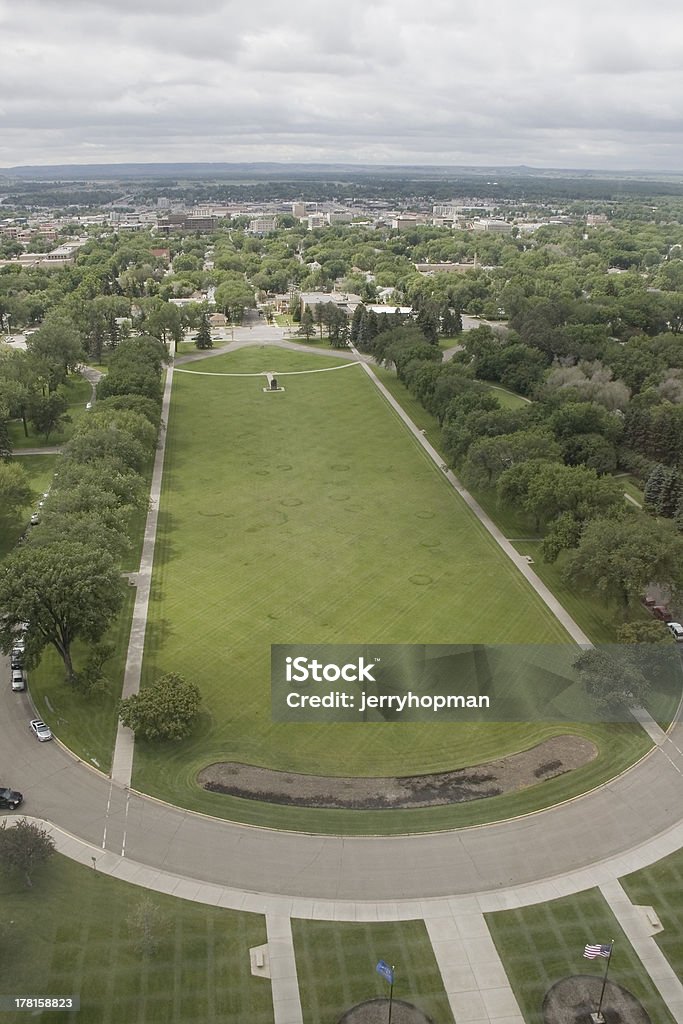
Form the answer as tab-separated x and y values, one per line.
53	449
122	763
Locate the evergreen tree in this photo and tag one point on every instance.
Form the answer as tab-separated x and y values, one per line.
669	495
307	328
204	339
653	488
356	331
678	518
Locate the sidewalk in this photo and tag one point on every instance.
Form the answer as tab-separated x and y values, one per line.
472	973
124	748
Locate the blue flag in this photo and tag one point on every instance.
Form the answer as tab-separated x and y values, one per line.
386	971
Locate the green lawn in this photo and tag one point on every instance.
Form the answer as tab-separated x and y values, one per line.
40	470
540	945
72	934
507	399
336	967
306	516
661	886
632	486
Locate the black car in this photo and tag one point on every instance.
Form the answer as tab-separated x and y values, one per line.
9	798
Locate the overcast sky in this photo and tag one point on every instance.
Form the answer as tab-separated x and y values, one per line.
584	83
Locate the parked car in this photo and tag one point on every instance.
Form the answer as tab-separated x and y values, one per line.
35	518
661	612
18	680
9	798
676	630
42	731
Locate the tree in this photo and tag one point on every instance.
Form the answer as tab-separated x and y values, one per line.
307	328
645	631
6	446
15	490
546	490
48	413
166	710
620	557
146	924
66	590
203	338
57	348
164	321
489	457
612	678
233	296
24	847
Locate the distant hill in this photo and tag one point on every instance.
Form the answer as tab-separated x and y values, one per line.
287	171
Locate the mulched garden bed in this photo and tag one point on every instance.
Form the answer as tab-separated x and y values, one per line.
506	775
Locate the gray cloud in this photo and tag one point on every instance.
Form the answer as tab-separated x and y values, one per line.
514	81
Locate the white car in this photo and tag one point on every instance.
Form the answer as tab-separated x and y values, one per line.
676	630
18	680
42	731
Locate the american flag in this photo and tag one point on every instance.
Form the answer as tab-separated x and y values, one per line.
590	952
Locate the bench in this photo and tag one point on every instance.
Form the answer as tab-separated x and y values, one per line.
652	918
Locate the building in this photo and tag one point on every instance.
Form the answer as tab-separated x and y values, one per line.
498	227
346	301
185	222
406	221
262	225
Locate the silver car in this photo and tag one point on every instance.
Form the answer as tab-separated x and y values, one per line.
42	731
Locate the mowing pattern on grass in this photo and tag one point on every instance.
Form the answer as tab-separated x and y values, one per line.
661	886
336	967
73	933
543	944
318	518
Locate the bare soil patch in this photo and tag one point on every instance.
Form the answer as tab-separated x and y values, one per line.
375	1011
509	774
572	1000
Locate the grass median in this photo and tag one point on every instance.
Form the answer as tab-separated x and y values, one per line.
543	944
336	966
79	932
314	516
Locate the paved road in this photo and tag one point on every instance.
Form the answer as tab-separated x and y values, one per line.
644	802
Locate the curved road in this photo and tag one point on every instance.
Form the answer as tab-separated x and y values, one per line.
645	802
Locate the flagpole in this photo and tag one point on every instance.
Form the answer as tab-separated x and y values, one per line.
391	992
598	1016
